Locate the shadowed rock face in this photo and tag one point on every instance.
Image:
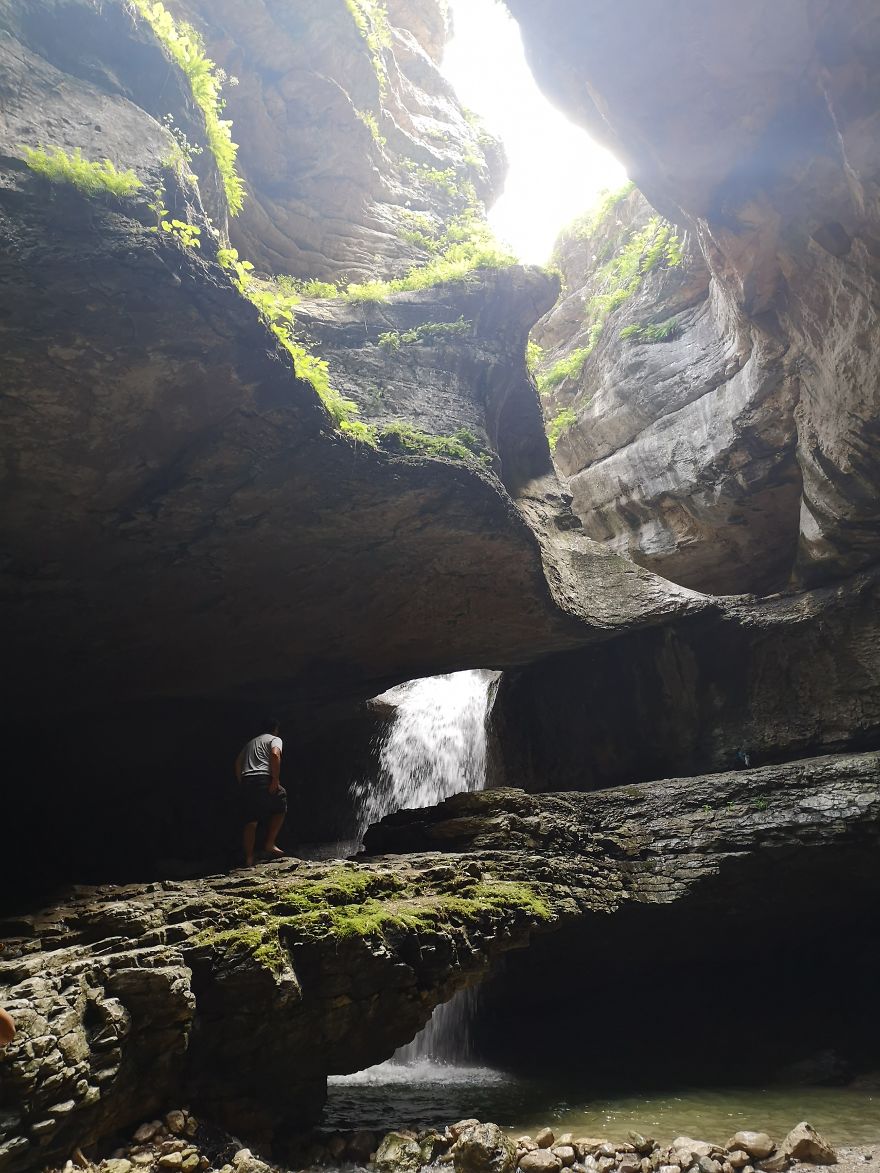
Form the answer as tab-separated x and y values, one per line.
776	679
186	528
756	126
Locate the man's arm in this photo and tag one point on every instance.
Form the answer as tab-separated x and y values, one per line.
275	769
238	763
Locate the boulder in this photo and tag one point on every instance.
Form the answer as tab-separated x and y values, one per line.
804	1143
398	1154
756	1144
540	1161
738	1158
566	1154
484	1148
545	1138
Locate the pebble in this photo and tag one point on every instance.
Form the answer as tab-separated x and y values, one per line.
171	1161
116	1165
175	1122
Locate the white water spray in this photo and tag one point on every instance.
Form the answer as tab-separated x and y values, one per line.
434	747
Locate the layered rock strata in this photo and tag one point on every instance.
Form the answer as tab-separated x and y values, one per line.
237	993
757	130
127	1000
680	450
768	680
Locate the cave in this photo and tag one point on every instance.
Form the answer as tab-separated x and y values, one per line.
557	583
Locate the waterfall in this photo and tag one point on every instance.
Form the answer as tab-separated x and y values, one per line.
434	746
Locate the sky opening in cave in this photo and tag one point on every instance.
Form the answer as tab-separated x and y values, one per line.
556	170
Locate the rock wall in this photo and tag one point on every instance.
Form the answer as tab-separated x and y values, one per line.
757	131
777	679
680	452
356	151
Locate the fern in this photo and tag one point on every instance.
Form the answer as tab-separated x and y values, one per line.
90	178
559	424
186	48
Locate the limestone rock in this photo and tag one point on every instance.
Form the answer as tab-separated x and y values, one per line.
804	1143
566	1154
397	1153
545	1138
788	234
542	1160
483	1148
756	1144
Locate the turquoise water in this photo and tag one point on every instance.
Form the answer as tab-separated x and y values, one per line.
428	1095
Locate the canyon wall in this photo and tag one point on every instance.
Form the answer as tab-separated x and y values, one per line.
754	131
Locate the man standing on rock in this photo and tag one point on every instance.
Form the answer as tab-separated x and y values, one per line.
263	798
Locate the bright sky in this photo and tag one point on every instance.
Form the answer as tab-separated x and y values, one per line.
556	170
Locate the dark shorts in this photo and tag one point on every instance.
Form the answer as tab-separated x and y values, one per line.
256	801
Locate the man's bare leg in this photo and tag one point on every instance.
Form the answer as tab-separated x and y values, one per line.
275	824
248	837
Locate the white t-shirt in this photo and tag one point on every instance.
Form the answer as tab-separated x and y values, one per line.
256	755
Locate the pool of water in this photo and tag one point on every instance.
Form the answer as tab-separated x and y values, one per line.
429	1094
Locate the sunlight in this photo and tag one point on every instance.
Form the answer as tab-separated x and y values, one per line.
556	170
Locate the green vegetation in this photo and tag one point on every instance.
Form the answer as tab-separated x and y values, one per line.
569	367
393	340
277	309
641	252
533	356
371	19
467	245
585	226
184	233
461	445
760	804
186	48
652	331
90	178
559	424
370	122
309	288
348	904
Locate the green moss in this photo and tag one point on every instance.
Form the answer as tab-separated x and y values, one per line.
461	445
186	48
349	903
585	226
468	245
90	178
533	356
559	424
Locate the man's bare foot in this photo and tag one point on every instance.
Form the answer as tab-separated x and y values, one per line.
249	863
272	852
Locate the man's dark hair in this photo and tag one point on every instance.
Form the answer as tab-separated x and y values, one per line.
271	724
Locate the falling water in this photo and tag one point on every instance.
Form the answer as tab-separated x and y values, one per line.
434	746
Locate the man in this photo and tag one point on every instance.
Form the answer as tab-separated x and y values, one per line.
258	770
